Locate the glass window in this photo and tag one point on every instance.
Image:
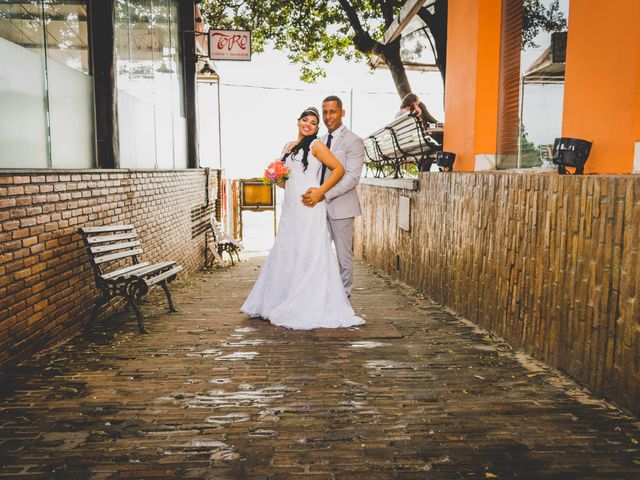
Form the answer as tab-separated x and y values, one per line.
46	93
533	51
150	100
23	107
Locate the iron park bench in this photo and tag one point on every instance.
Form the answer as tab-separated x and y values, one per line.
219	243
118	272
403	142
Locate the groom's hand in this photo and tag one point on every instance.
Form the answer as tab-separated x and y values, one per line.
311	197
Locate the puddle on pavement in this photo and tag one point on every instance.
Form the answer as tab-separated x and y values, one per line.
389	365
367	344
232	357
220	381
251	343
262	433
219	451
245	330
260	397
210	352
228	419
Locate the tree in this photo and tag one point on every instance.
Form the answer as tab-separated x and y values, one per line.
313	32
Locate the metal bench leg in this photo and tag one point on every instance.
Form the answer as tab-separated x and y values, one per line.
168	295
96	309
134	305
231	257
238	254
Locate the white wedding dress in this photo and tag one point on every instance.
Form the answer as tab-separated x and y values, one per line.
299	286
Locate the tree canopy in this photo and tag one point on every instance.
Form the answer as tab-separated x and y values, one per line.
313	32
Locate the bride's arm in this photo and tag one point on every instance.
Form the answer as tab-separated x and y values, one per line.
322	153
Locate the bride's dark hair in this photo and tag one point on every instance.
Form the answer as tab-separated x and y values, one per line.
305	143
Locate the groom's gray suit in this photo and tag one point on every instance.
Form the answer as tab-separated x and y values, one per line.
343	204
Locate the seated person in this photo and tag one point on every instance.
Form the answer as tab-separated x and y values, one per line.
410	104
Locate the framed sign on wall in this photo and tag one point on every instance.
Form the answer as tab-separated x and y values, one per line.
230	45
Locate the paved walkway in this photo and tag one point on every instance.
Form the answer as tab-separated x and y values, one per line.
415	393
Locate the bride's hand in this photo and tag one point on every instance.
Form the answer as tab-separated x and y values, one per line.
312	197
281	184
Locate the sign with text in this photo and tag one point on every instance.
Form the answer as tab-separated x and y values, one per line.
229	45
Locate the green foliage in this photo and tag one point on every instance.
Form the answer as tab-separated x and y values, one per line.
311	32
529	152
314	32
537	17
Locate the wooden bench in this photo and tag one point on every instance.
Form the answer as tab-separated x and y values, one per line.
401	143
219	243
117	270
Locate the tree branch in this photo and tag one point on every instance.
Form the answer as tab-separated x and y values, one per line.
387	12
362	40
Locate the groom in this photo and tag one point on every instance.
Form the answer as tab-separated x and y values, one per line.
342	200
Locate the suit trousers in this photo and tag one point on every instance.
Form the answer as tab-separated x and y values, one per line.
342	235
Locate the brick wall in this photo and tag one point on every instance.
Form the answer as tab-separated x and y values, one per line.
46	283
550	263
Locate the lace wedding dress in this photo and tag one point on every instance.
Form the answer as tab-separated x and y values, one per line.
299	286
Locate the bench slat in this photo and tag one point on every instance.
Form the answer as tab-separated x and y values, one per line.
122	271
158	278
116	256
110	238
115	246
150	269
111	228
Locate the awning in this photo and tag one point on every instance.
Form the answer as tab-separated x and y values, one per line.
543	70
550	66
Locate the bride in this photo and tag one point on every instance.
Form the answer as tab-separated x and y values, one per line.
299	286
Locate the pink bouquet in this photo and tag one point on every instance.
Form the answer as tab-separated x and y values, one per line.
275	173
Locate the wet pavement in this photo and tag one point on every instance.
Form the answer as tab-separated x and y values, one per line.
416	393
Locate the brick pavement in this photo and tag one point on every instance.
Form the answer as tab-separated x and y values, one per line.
414	393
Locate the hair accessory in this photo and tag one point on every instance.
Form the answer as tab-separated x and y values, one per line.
310	110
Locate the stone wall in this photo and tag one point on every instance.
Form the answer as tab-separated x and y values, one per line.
46	282
551	263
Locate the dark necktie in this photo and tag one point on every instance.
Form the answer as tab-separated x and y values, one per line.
324	167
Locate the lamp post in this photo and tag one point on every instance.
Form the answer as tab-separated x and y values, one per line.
208	74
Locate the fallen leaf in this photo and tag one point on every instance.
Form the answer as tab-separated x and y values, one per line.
489	475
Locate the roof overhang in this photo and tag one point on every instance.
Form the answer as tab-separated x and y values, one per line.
407	13
544	70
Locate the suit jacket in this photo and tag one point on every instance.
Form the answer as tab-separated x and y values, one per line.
342	199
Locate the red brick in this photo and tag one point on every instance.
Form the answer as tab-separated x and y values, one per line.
7	202
18	212
11	225
27	222
22	273
22	233
21	179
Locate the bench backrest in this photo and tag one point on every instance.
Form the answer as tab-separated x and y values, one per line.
370	149
385	143
111	246
408	135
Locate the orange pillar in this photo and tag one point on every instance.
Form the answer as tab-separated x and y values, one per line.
602	87
472	88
